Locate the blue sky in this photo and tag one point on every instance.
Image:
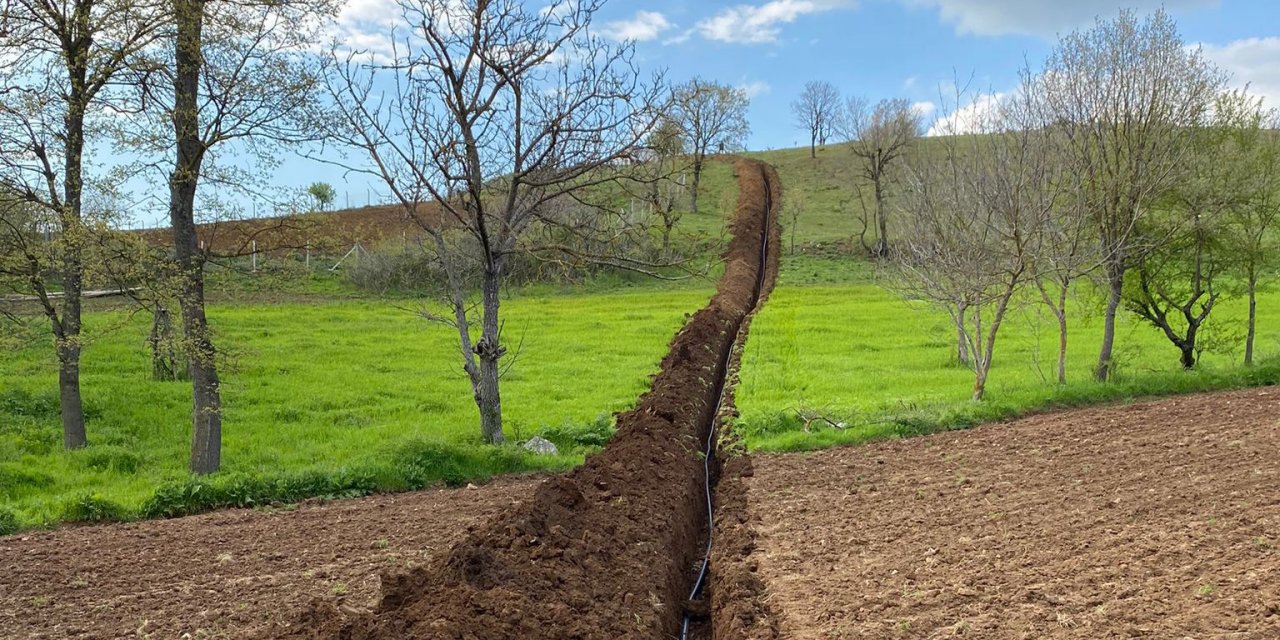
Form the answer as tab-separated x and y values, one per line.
912	49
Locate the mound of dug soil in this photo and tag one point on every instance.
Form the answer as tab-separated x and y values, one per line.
603	551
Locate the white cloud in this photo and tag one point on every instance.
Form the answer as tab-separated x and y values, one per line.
367	25
1040	17
761	24
680	38
754	88
924	109
369	11
971	118
644	26
1253	61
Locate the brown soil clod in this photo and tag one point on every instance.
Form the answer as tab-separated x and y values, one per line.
603	551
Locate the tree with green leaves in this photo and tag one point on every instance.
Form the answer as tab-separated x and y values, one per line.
322	195
658	178
241	81
68	67
1189	253
1256	216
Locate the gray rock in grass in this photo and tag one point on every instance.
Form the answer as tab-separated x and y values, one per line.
541	446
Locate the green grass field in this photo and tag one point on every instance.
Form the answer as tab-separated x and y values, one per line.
362	392
831	341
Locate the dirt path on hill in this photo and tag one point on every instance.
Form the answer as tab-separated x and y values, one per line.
1158	520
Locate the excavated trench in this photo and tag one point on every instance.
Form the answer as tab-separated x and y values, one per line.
615	548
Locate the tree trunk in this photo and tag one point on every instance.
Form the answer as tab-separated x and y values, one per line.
69	326
1115	277
813	146
73	431
1252	330
962	342
206	441
980	382
668	225
987	349
882	224
490	352
164	357
697	179
1187	347
1062	346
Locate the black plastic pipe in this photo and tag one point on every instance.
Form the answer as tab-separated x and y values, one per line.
721	385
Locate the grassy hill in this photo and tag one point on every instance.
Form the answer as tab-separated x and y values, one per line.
833	342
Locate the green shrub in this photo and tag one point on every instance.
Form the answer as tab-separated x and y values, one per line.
20	402
93	508
15	478
572	437
112	458
8	522
424	462
243	491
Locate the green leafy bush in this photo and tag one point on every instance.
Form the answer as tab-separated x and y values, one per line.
243	491
8	522
112	458
15	479
93	508
589	437
20	402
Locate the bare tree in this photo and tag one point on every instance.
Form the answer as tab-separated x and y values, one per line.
493	114
62	69
878	137
658	177
970	236
714	119
817	111
1126	96
1066	252
793	208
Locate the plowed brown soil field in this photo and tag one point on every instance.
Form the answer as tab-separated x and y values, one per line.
1156	520
225	575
